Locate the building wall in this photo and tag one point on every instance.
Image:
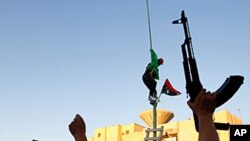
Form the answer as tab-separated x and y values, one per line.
132	132
113	133
173	131
99	134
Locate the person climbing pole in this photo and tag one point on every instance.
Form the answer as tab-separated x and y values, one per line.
151	74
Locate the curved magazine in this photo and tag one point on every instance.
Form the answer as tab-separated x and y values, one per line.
228	89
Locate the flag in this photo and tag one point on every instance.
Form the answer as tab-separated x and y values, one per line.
168	89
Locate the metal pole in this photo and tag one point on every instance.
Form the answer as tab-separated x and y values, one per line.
149	25
155	118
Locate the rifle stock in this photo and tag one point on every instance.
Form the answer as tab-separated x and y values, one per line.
193	84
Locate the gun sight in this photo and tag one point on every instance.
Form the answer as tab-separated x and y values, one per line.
182	20
177	21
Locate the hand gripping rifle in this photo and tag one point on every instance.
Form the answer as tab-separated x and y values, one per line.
193	84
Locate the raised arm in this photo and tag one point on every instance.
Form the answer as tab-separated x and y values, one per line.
78	129
154	58
204	106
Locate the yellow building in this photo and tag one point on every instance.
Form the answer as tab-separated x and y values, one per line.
172	131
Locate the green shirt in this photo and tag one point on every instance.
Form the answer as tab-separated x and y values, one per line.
153	66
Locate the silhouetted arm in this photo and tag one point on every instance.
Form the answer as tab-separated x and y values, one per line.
204	107
78	129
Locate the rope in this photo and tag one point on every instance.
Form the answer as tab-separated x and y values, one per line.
149	26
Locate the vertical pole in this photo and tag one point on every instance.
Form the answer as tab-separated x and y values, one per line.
155	118
149	26
155	94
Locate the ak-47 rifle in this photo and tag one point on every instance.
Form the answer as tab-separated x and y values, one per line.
193	84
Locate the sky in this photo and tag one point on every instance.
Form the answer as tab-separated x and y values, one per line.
63	57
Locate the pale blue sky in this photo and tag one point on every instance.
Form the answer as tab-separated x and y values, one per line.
62	57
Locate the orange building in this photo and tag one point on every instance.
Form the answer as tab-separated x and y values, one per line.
172	131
